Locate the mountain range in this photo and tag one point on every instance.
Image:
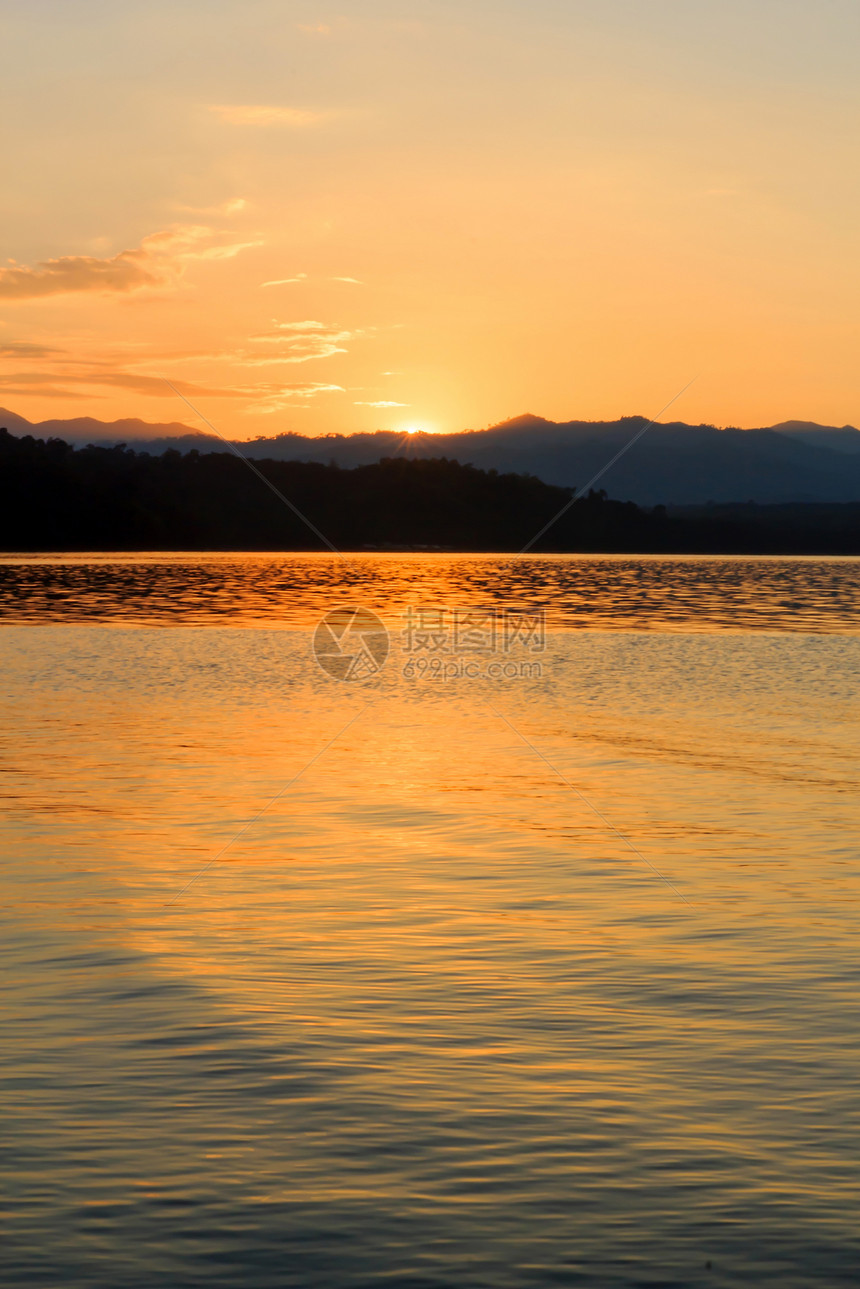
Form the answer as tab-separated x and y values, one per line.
670	464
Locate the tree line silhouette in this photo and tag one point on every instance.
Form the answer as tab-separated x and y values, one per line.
56	497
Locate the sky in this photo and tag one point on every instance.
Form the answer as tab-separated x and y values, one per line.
435	215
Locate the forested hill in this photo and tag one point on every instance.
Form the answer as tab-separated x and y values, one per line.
54	497
671	464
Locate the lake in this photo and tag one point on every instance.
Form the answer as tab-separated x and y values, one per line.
527	956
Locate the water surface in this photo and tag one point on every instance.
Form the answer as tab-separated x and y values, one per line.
540	981
710	592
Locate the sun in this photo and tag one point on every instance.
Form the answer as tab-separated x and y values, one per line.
413	431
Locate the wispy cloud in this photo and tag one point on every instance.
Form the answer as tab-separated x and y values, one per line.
280	397
157	262
45	391
268	115
23	349
225	252
73	383
299	342
303	277
286	281
127	271
314	29
227	208
31	370
383	402
83	380
307	324
76	369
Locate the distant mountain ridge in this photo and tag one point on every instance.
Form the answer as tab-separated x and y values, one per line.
841	439
673	464
54	497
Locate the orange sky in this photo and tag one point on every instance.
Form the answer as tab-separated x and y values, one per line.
341	219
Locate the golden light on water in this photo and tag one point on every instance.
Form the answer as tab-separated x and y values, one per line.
290	956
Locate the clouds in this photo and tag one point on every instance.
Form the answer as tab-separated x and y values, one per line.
303	278
84	380
157	263
73	378
128	271
249	371
267	116
23	349
276	398
286	281
300	342
54	372
234	206
383	402
70	375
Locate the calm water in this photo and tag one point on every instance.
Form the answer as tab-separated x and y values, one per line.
544	980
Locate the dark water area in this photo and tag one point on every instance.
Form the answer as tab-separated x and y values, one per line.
446	984
802	593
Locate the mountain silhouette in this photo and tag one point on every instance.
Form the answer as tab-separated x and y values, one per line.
843	439
56	497
672	464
